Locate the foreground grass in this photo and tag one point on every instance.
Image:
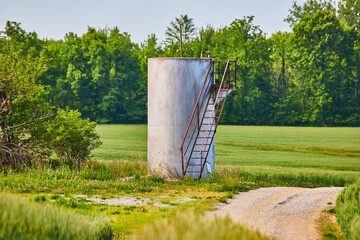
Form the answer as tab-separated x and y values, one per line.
348	211
20	219
70	189
196	227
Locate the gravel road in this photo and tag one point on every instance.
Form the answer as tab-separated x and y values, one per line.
281	212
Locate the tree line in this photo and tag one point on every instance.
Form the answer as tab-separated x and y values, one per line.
306	77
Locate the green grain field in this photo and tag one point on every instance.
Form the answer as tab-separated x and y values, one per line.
292	155
122	142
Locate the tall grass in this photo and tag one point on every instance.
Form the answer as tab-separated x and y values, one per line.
296	177
196	227
20	219
104	178
94	178
348	211
110	170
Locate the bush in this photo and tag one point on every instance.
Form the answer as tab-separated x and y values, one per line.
73	138
348	211
196	227
20	219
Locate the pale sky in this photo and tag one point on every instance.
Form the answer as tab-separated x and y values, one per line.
53	19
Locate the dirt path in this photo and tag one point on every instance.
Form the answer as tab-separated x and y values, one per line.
281	212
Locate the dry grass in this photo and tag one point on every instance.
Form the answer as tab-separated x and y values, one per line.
328	227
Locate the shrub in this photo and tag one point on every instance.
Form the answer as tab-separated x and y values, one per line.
184	226
20	219
348	211
73	138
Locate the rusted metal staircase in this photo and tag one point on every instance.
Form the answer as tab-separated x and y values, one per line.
197	143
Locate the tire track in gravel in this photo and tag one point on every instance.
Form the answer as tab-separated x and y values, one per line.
281	212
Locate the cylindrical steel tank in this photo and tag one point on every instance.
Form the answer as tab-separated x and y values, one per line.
173	88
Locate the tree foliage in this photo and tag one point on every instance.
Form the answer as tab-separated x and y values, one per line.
188	30
307	76
22	105
29	129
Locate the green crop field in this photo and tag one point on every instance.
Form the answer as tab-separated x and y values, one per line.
324	156
122	142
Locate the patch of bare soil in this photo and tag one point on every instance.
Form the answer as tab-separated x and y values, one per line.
281	212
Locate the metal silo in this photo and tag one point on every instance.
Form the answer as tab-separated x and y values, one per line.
182	115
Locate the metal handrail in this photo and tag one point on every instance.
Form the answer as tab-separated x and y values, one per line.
234	72
195	128
214	111
193	113
217	97
199	128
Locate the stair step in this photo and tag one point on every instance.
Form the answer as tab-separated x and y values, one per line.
201	144
195	165
207	110
207	131
225	85
200	151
